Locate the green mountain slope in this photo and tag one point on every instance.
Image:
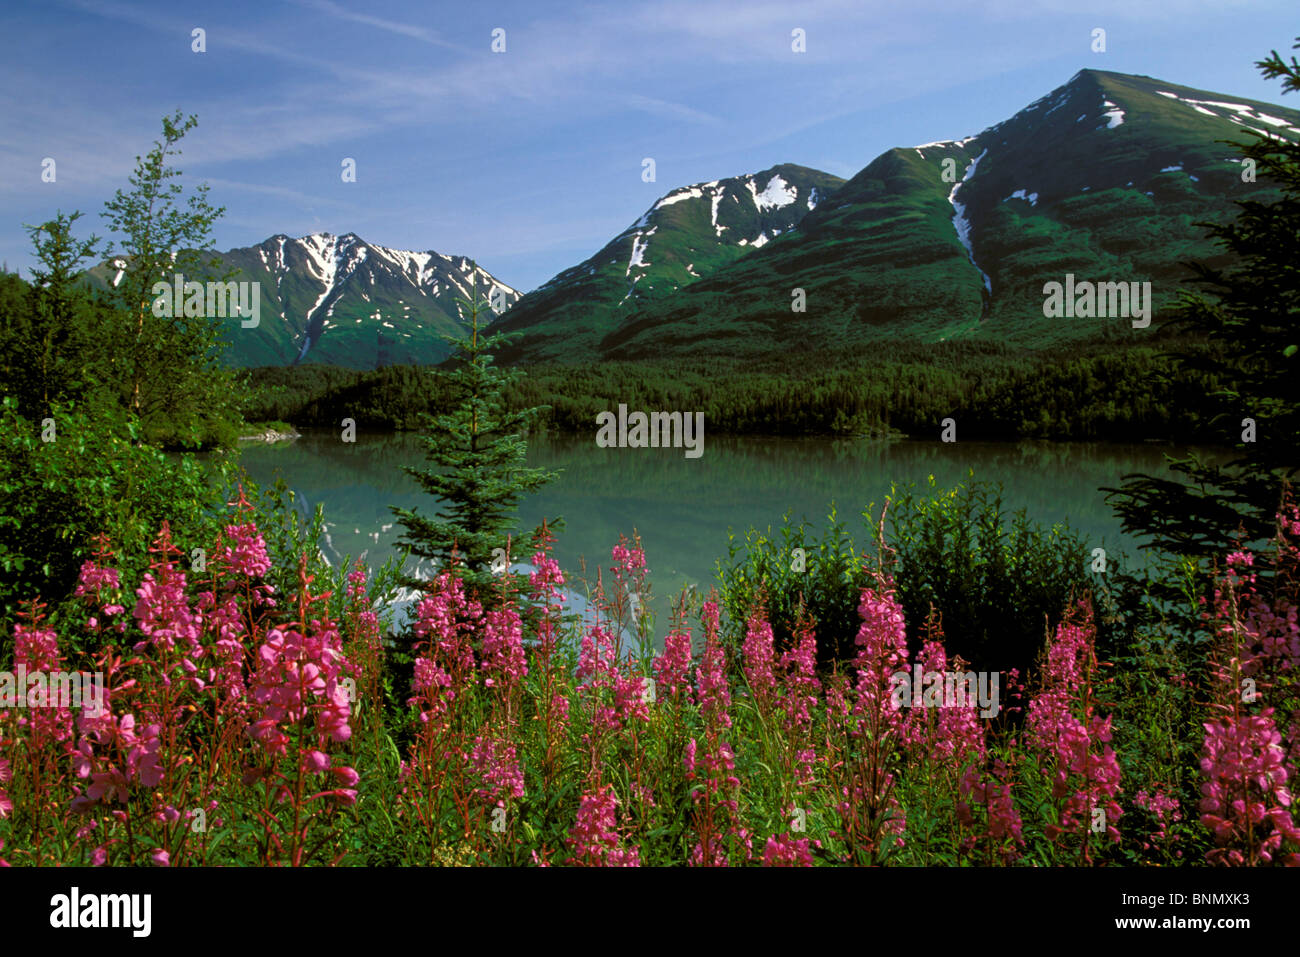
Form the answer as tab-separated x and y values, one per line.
687	235
1104	178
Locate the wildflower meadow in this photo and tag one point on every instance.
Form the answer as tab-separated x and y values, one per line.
247	723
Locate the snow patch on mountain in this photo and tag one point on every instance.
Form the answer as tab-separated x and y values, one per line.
1241	112
1030	198
776	194
638	252
961	222
690	192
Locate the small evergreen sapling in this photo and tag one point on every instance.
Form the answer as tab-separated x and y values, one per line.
476	452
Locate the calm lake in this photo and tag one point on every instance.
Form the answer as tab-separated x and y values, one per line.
683	508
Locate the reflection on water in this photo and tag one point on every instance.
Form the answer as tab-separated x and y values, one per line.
683	508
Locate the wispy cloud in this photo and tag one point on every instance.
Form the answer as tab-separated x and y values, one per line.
400	28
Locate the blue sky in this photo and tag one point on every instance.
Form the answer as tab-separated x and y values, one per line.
530	160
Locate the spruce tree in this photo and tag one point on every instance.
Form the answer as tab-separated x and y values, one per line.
1249	314
476	452
48	345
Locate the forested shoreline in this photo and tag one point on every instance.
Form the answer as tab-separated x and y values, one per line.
1102	392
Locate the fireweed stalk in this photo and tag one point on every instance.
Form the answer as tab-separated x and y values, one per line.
364	651
36	738
611	689
546	584
444	674
1074	739
631	578
716	821
862	731
987	786
942	745
781	706
300	709
172	644
1246	802
638	707
797	699
144	753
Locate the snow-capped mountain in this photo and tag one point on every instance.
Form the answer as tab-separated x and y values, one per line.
688	234
344	301
1105	178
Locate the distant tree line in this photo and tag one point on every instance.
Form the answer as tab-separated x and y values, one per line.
1106	392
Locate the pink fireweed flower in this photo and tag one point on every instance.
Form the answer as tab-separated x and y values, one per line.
882	651
946	734
163	613
1245	792
672	666
759	653
711	688
546	580
560	710
546	588
629	562
800	685
1004	828
630	697
497	765
787	851
594	837
92	582
226	622
1165	808
597	658
614	696
246	553
140	744
502	648
298	675
630	573
36	650
1084	767
446	621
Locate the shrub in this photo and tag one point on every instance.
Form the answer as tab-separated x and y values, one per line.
995	580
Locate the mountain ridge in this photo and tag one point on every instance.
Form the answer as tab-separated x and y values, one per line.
338	299
1104	176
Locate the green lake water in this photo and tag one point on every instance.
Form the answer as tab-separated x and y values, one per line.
684	507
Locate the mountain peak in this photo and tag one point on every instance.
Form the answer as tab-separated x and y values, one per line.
688	234
339	299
